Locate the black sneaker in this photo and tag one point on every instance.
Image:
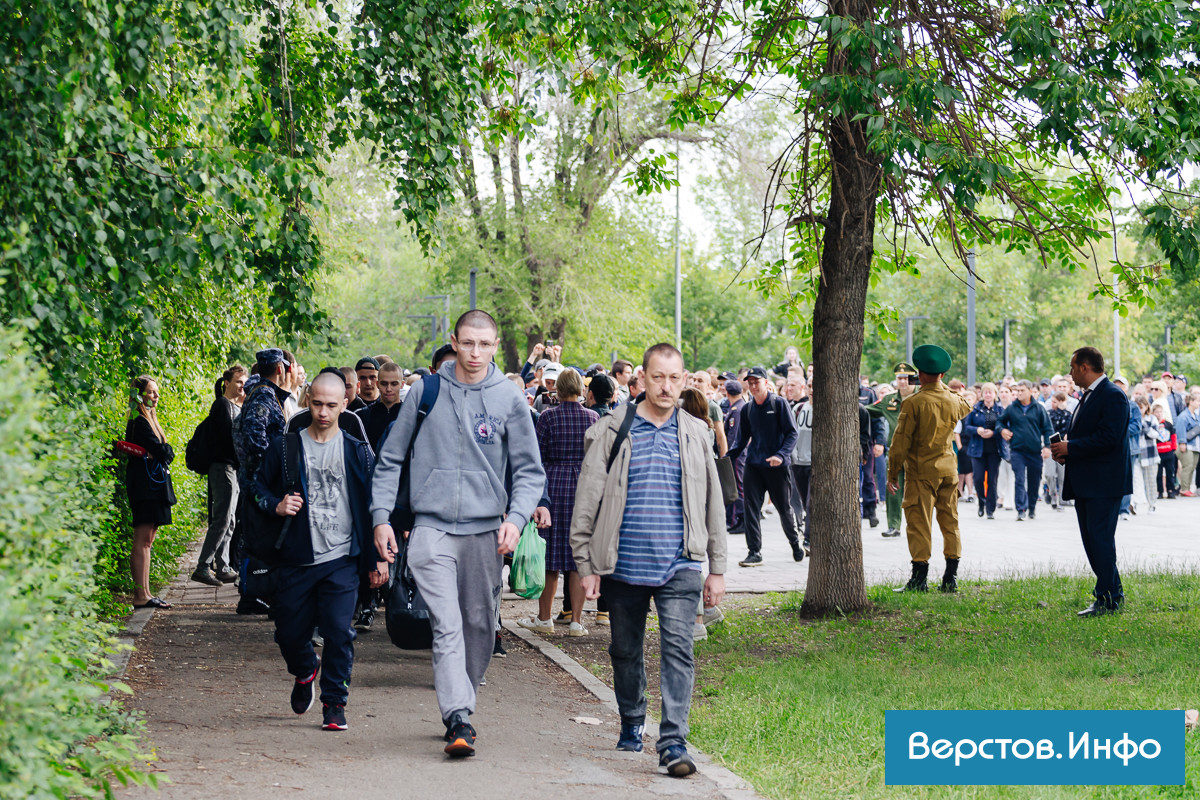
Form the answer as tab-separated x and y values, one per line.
874	520
252	605
206	576
676	762
363	623
797	553
1032	514
751	560
460	740
498	650
334	717
1020	516
304	692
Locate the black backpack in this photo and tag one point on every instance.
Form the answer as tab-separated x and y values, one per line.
197	456
265	531
406	614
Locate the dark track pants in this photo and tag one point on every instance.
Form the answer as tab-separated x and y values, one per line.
323	596
761	481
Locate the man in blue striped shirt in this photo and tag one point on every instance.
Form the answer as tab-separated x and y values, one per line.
648	512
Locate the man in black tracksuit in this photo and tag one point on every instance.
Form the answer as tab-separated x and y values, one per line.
767	434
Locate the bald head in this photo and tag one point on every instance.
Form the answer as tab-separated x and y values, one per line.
326	399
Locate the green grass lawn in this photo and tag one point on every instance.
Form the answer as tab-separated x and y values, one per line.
796	706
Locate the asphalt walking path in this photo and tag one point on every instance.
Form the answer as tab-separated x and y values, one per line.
1167	540
214	692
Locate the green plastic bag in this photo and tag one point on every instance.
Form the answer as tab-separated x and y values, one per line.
527	575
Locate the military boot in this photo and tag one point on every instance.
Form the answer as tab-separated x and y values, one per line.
919	580
950	579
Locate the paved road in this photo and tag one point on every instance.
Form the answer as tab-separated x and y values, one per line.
214	693
1001	548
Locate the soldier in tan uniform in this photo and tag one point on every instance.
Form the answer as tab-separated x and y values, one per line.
922	448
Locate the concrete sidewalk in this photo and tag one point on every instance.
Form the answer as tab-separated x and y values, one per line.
214	692
1168	540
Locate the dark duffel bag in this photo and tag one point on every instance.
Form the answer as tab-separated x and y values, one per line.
408	623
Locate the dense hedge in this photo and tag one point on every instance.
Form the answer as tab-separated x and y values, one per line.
56	490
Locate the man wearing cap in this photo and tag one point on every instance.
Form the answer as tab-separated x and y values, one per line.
549	397
767	434
367	372
261	420
1045	393
922	446
889	409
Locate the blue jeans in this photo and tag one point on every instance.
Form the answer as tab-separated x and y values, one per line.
322	596
1027	475
676	602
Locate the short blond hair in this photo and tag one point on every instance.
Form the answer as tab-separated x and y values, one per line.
569	384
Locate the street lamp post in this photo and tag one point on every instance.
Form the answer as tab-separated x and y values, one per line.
971	317
433	326
1167	348
908	321
471	292
678	262
1007	323
445	298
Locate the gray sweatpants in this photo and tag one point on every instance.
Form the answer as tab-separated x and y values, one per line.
459	578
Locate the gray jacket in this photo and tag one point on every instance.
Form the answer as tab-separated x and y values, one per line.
600	496
477	437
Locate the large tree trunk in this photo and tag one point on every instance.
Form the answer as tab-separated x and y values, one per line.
835	576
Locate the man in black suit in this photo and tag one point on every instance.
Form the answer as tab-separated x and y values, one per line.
1098	475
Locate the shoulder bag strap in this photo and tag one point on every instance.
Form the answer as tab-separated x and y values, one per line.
622	435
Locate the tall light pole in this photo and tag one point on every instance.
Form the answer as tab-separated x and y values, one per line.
1167	348
1007	322
971	317
908	321
678	262
471	291
445	298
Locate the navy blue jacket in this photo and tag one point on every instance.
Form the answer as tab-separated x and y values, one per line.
979	418
765	430
1030	426
1098	448
268	487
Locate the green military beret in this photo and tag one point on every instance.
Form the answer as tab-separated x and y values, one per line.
931	359
904	368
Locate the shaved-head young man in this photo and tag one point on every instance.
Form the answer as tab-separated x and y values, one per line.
474	480
325	547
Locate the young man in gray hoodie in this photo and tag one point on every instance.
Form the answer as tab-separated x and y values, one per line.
478	432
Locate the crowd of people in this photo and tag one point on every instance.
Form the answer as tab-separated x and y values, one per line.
633	473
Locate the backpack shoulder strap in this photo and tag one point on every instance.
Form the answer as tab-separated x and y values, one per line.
430	386
291	462
622	434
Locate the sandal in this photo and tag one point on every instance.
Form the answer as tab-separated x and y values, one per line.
154	602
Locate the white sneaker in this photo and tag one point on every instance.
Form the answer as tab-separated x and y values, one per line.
535	624
699	632
714	614
576	630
